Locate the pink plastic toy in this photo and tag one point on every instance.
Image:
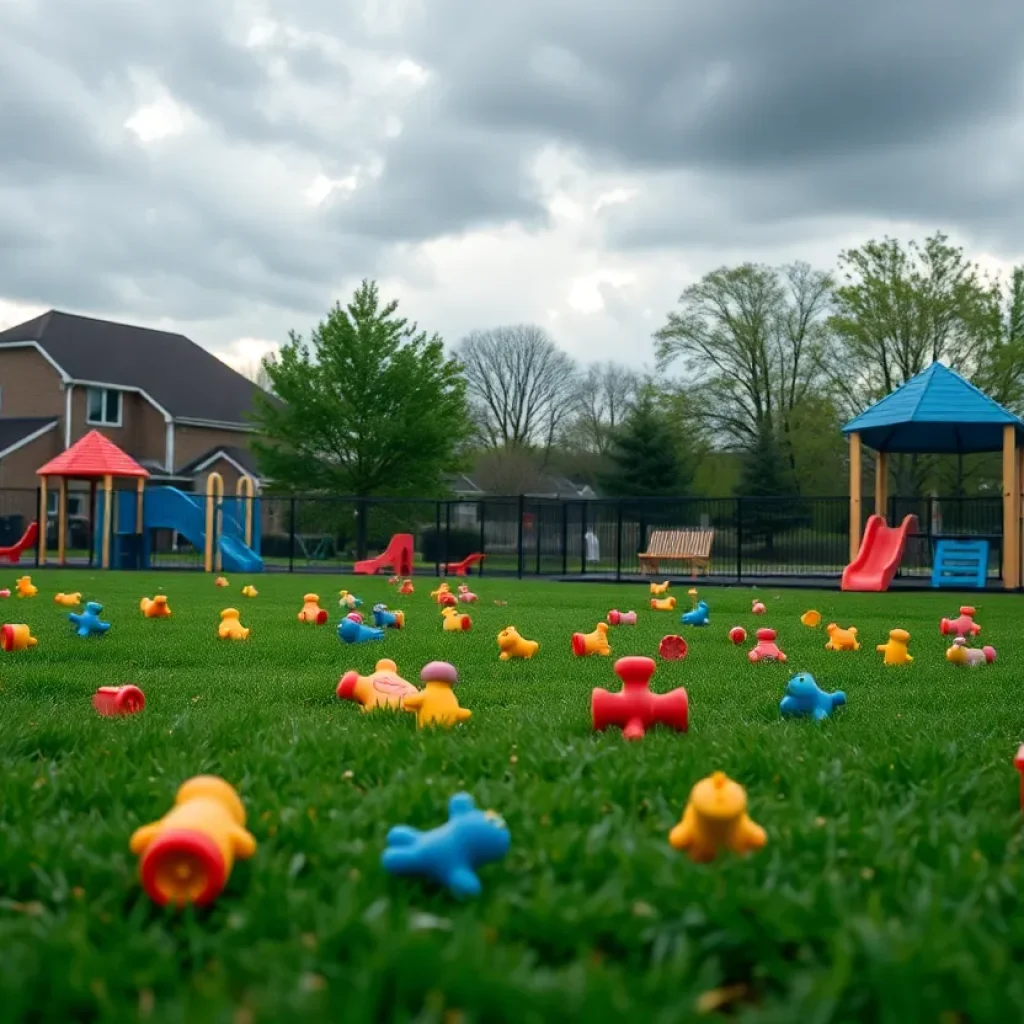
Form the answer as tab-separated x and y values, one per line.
757	608
635	709
5	592
118	700
766	649
961	654
355	617
672	648
962	625
1018	762
466	596
737	635
617	618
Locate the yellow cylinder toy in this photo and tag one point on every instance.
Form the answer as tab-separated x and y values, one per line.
17	637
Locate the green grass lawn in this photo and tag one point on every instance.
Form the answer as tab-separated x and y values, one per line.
890	888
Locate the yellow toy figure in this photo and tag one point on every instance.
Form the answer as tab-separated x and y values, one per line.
716	818
895	650
512	645
311	610
811	618
693	596
17	637
664	604
155	608
659	589
249	591
439	594
454	621
230	627
68	600
584	644
24	587
383	688
436	703
221	582
840	639
188	854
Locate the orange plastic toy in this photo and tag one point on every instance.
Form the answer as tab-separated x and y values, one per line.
659	589
454	621
436	703
840	639
68	600
811	618
716	818
188	854
435	595
664	604
249	591
584	644
230	627
512	645
383	688
407	587
221	582
311	610
17	637
24	587
155	608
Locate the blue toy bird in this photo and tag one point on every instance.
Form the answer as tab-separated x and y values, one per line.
804	698
88	622
351	632
450	853
700	616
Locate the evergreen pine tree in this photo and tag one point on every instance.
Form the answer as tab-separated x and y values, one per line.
644	455
768	491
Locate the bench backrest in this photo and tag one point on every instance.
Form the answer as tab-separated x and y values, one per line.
691	543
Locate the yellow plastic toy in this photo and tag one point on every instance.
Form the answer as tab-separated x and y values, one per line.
693	596
311	610
455	621
436	703
584	644
350	601
512	645
17	637
221	582
25	587
188	854
895	650
811	618
249	591
383	688
659	589
155	608
716	818
439	594
840	639
664	604
230	627
68	600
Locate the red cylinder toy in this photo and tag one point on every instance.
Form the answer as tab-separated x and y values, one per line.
118	700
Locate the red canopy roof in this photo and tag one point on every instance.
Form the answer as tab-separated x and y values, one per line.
93	456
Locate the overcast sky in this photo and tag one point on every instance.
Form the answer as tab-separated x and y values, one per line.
230	169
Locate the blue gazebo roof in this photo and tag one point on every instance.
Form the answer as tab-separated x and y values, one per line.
936	412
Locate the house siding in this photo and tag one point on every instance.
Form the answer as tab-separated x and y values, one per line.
142	433
29	385
18	470
228	473
191	442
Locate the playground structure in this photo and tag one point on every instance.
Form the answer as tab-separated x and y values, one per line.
936	412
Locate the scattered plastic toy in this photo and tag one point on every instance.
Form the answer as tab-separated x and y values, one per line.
738	635
155	608
68	600
805	699
311	610
961	654
17	637
699	616
840	639
443	595
385	618
663	604
355	616
350	632
406	588
512	645
453	621
757	608
25	587
451	853
766	648
221	582
392	581
659	589
963	625
617	618
692	595
5	592
436	703
118	700
811	618
1018	763
715	819
382	688
634	708
188	854
347	600
466	596
88	622
895	650
249	591
231	627
595	642
672	648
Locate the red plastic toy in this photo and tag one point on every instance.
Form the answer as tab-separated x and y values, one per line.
757	608
766	649
737	634
635	708
963	625
462	568
397	557
118	700
355	617
28	538
1018	762
672	648
617	618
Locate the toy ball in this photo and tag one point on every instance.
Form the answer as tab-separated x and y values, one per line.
737	634
672	648
757	608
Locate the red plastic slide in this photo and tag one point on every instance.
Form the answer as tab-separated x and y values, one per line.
881	551
397	557
462	568
14	552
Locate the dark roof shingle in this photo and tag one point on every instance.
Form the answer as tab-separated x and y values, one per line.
17	428
242	456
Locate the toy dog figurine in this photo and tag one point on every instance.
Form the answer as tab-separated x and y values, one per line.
384	618
352	632
699	616
25	587
659	589
716	818
663	604
453	621
88	623
804	698
230	627
156	607
961	654
895	650
584	644
512	645
840	639
311	610
68	600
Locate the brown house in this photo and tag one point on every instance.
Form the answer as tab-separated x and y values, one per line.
173	406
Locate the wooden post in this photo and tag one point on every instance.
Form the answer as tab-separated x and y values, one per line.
214	495
1011	513
855	474
44	519
62	520
108	493
882	484
139	492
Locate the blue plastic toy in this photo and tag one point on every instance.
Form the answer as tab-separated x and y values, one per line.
699	616
88	622
450	853
805	698
387	619
351	632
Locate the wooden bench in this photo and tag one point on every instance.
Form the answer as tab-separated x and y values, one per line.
689	545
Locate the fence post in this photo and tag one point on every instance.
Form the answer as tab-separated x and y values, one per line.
437	538
447	532
739	539
360	528
583	537
537	535
519	537
291	535
565	538
41	518
618	541
481	513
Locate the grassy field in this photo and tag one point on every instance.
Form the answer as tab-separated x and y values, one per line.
890	888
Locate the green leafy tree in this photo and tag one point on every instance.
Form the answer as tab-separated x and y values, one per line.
367	405
769	490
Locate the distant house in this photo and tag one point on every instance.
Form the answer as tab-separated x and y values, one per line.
465	488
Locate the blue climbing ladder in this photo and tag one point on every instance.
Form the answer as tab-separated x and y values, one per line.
960	563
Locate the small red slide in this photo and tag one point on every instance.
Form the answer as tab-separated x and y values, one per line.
15	551
881	551
397	557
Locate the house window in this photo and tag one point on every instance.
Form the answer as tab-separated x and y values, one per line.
103	407
76	504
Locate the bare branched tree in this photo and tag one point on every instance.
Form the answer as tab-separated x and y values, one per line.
604	396
520	384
